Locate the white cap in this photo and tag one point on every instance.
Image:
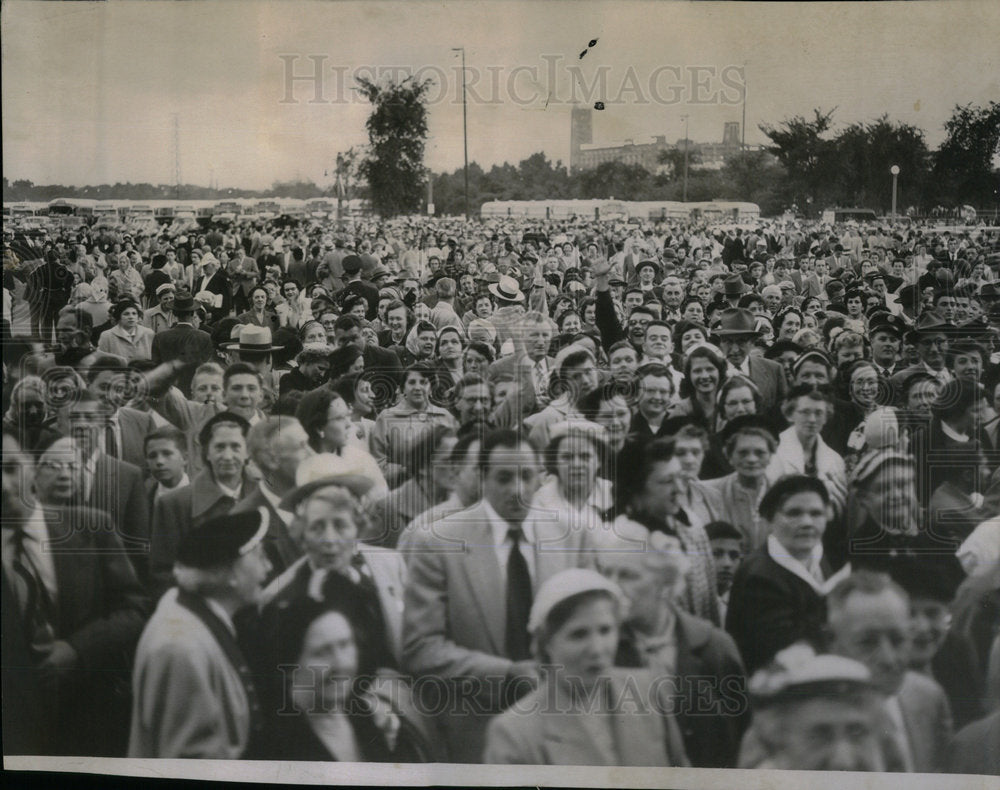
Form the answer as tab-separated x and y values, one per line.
564	585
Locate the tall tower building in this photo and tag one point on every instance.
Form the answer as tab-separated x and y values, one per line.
731	134
581	132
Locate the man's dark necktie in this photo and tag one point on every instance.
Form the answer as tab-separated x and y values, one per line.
37	604
518	600
110	442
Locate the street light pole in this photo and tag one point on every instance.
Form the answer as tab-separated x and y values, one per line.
686	146
895	175
465	132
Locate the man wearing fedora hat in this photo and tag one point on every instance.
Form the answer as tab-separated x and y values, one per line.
736	332
255	347
930	335
734	288
184	341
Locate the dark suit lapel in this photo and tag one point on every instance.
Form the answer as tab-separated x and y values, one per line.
73	559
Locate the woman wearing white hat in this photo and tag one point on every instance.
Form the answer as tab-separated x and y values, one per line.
584	711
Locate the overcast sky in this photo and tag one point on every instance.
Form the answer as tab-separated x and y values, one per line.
90	90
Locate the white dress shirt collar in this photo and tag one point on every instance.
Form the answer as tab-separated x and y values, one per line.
162	489
234	493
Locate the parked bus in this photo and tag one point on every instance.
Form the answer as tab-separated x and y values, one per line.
832	215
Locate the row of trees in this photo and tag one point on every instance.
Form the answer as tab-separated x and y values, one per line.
851	167
22	189
806	167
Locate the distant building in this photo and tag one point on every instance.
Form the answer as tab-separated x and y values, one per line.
584	154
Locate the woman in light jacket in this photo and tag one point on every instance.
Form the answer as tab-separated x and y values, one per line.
584	710
127	338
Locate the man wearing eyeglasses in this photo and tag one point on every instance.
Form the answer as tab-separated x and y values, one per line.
72	611
930	336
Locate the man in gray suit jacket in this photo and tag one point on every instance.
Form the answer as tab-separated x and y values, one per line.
736	333
471	585
869	608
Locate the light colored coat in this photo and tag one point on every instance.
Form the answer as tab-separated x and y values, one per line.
188	699
928	722
455	614
539	731
789	459
117	341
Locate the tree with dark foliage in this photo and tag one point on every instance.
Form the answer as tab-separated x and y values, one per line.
397	133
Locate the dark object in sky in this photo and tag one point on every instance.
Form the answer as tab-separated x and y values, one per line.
598	105
583	53
593	42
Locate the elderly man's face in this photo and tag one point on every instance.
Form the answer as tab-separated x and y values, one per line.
57	475
657	342
69	334
831	734
874	629
637	323
537	338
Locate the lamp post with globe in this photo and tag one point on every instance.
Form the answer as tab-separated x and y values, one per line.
895	176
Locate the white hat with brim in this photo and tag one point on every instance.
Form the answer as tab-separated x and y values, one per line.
506	289
253	339
565	585
325	470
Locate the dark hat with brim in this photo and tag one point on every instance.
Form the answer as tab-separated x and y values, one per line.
736	321
185	303
734	285
223	539
930	323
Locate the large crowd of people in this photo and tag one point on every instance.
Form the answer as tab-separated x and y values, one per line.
516	491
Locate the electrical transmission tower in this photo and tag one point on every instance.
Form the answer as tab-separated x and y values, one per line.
177	158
